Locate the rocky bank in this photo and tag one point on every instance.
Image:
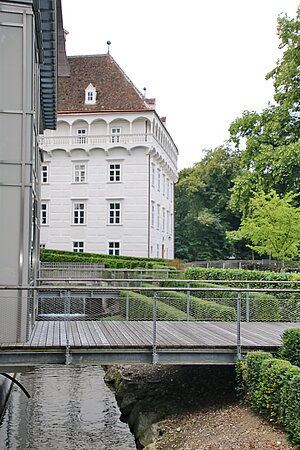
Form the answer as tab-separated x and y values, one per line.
189	407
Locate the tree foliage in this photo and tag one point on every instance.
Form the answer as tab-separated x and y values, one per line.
202	214
273	225
270	159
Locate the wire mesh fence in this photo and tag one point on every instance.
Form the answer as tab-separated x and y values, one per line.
172	305
143	299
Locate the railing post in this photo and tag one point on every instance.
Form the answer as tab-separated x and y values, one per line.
188	300
127	306
154	340
67	325
238	326
247	304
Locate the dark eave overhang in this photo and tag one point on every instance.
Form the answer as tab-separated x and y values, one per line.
46	12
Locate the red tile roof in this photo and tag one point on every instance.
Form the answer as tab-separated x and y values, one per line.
115	92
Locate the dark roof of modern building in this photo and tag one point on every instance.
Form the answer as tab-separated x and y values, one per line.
115	91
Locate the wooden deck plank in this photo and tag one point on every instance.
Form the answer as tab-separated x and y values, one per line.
140	333
91	334
35	337
85	341
115	334
43	335
50	335
179	335
75	334
56	334
99	332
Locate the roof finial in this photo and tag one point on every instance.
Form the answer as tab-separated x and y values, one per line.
144	89
108	44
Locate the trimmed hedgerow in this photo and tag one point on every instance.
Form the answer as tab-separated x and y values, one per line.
80	255
290	349
272	387
141	308
199	273
289	412
263	307
109	261
274	374
199	309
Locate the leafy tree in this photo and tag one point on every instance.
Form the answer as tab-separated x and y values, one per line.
270	159
273	226
202	214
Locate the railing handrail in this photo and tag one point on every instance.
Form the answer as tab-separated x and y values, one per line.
179	280
107	269
139	288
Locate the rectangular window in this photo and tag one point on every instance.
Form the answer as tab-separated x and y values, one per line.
115	135
157	250
158	179
78	213
114	248
82	138
114	174
79	173
168	222
78	246
44	213
164	184
90	96
114	214
168	188
44	174
153	175
152	214
158	217
163	219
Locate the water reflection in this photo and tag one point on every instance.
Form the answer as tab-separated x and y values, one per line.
70	408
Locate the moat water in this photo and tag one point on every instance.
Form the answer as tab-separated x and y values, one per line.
69	409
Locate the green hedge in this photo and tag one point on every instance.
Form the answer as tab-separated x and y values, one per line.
45	251
199	309
110	261
263	307
290	349
271	386
141	308
199	273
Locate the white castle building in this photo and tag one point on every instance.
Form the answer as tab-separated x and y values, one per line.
109	168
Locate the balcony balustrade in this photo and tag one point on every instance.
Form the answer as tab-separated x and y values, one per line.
125	139
107	141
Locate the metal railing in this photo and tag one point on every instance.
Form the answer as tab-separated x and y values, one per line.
90	271
117	300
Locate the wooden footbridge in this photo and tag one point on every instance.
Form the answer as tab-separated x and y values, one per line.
64	339
56	342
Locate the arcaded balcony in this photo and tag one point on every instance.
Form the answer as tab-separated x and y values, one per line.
107	141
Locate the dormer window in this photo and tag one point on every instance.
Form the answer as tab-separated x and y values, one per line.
90	95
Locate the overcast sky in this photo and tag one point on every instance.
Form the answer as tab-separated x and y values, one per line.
204	61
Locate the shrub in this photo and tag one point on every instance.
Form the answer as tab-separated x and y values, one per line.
198	273
263	307
199	309
253	367
290	349
290	417
141	308
272	387
274	373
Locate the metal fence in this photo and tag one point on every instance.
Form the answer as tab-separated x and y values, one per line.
120	301
147	300
90	271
